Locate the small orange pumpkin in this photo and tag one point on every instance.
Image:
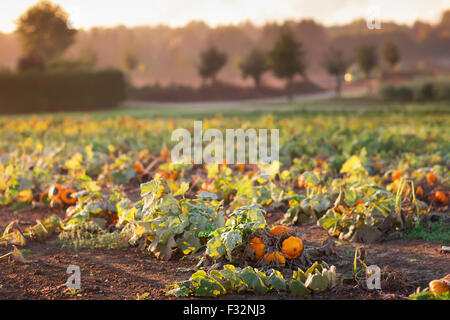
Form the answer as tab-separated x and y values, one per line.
441	197
279	230
240	167
258	246
143	154
319	162
419	191
55	202
438	287
67	196
275	257
292	247
431	178
165	155
165	174
138	167
301	182
204	186
55	191
397	174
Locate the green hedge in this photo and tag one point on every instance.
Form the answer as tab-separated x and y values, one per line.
48	92
420	91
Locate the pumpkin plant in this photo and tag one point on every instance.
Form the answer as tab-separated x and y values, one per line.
164	223
229	279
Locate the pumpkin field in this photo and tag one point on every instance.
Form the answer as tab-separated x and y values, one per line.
353	188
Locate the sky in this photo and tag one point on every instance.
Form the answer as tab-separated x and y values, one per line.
89	13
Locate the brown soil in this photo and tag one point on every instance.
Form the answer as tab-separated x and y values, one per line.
27	218
123	274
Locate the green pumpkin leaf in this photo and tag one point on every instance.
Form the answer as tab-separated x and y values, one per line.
253	281
297	288
316	282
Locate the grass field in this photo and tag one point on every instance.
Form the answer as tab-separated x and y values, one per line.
356	105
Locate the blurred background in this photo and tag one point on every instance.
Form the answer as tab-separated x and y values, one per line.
70	54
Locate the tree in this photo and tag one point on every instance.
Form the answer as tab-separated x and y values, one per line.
130	60
254	65
43	31
287	58
366	59
211	61
390	53
336	65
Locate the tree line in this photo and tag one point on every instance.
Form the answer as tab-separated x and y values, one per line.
45	34
287	59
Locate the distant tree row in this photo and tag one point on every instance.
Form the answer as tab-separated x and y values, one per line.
45	34
287	59
336	64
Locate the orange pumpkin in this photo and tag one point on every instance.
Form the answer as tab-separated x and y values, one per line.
138	167
240	167
405	190
258	246
67	196
275	257
204	186
319	162
431	178
438	287
143	154
279	230
292	247
441	197
397	174
165	155
301	182
55	202
55	191
165	174
419	191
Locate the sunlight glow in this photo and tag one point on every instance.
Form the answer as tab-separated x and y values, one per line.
175	13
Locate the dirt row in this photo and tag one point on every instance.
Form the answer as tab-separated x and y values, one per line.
127	273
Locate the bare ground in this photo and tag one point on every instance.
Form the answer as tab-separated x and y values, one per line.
126	273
